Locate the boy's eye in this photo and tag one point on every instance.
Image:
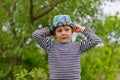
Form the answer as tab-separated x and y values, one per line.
59	31
66	29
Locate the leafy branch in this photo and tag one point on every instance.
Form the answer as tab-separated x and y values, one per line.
42	11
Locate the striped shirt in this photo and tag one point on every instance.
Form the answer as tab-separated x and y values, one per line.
64	58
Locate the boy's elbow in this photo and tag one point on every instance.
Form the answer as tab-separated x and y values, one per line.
35	34
96	41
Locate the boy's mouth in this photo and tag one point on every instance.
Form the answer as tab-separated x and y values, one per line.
64	38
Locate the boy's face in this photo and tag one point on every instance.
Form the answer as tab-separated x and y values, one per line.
63	33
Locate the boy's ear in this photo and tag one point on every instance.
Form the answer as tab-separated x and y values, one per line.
54	34
73	30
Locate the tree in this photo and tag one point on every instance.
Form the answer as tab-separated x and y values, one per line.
19	18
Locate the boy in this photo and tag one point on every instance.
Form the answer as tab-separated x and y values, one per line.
64	56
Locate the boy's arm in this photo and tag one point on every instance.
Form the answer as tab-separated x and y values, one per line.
91	41
41	37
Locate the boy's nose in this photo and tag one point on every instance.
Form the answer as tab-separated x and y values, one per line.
63	32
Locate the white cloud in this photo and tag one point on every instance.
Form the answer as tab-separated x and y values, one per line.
111	7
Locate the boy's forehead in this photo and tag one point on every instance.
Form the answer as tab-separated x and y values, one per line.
63	27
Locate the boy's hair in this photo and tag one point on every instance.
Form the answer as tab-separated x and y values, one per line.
61	20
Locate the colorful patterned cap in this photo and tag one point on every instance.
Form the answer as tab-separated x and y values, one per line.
61	20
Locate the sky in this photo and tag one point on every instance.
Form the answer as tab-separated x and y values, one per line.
110	8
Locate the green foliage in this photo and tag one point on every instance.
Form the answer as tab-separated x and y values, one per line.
21	56
35	74
109	29
100	64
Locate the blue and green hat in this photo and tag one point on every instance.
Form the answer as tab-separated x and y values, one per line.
61	20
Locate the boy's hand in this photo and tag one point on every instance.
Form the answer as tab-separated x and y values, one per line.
79	28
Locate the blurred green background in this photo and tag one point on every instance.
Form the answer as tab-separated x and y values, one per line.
22	59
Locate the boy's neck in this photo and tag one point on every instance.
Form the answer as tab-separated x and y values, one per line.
64	42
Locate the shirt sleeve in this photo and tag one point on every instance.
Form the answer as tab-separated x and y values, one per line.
91	41
41	37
